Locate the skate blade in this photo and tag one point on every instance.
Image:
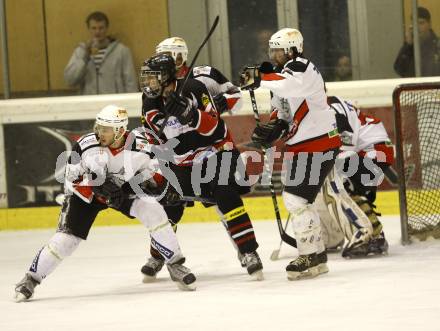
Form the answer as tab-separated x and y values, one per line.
149	279
257	275
275	255
186	287
322	268
308	274
20	297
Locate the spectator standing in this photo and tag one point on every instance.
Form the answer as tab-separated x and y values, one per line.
102	65
429	49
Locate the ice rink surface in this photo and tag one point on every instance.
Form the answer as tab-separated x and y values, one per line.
100	288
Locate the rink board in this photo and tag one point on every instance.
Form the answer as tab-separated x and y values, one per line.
259	208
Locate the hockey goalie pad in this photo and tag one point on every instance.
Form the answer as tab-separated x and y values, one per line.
342	212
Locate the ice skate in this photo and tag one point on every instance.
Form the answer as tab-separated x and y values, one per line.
24	290
358	244
253	265
304	266
241	259
322	260
185	279
378	245
151	269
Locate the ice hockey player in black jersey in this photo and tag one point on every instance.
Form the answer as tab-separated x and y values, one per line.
311	138
97	177
203	146
226	96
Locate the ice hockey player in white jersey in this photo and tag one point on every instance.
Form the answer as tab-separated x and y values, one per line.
365	138
311	137
226	96
97	177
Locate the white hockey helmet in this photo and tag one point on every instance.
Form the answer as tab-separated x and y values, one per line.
174	46
112	116
287	39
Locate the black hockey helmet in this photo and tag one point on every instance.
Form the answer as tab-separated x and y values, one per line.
156	73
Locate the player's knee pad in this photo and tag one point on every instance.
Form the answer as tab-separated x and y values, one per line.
303	213
62	245
293	202
149	211
305	223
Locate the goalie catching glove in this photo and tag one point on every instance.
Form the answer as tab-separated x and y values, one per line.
265	134
250	77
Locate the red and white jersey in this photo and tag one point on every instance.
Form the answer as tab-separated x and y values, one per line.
312	125
361	133
90	163
217	83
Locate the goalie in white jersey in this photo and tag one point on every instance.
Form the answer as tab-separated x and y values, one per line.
365	138
98	174
311	138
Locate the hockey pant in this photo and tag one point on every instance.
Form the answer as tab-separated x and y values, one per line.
224	190
364	181
76	219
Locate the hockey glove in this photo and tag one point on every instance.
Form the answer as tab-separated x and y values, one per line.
110	194
266	68
170	198
250	78
220	103
265	134
180	107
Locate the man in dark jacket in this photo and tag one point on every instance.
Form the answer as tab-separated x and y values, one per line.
429	49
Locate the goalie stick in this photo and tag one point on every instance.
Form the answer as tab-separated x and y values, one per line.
179	90
284	236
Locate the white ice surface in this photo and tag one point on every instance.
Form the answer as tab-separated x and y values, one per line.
99	287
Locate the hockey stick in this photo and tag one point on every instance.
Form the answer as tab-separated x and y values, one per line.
179	90
59	199
284	236
276	253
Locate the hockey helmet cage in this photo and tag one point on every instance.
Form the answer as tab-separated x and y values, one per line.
156	73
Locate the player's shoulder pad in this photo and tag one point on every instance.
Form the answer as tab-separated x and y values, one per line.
331	99
197	89
86	142
142	142
298	64
201	70
211	72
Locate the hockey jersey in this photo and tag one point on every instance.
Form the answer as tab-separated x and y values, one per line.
299	98
90	163
217	83
361	133
208	135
